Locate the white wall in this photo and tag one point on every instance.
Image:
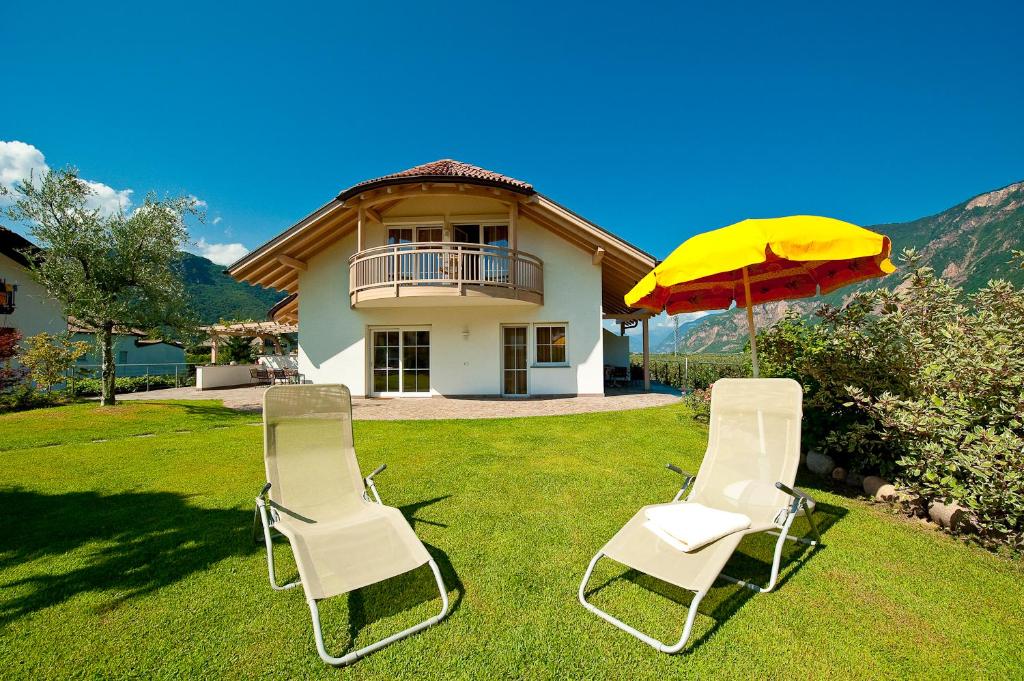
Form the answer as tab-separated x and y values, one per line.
616	349
35	310
332	335
224	376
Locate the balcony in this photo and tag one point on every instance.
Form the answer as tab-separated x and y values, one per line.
432	273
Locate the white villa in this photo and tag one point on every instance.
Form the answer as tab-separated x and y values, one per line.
447	279
24	304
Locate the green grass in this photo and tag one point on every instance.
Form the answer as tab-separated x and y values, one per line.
133	556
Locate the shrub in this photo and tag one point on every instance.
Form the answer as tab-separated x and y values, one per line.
9	376
924	384
49	358
699	403
87	387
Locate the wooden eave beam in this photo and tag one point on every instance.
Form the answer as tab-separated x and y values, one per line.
294	263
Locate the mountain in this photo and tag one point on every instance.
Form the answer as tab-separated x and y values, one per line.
217	296
968	244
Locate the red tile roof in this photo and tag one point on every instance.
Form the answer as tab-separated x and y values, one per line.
445	170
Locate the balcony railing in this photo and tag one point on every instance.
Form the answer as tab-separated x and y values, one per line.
451	268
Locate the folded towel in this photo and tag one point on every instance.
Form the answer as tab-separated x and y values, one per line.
689	526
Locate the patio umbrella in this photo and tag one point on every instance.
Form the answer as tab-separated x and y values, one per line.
762	261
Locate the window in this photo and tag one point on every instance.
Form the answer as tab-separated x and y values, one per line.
551	342
400	362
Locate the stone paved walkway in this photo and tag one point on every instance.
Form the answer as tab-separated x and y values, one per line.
412	408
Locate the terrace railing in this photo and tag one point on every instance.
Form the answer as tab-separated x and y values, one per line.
445	264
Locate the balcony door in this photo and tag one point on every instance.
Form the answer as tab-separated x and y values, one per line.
415	263
400	362
513	360
490	265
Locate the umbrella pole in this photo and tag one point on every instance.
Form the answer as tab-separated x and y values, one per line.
750	323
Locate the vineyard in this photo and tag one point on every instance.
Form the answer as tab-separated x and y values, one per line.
696	371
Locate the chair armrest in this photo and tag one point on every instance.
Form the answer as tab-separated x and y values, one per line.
676	469
794	492
370	484
800	498
687	480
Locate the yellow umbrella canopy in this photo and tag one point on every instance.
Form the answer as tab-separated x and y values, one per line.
761	261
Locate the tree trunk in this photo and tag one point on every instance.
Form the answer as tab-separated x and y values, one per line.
108	369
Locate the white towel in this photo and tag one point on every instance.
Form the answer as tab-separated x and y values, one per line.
689	526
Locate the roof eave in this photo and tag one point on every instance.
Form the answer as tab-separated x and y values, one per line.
436	179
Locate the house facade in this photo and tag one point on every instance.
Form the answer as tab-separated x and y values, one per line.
24	304
135	354
447	279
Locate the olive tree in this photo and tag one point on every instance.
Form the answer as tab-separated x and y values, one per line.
109	271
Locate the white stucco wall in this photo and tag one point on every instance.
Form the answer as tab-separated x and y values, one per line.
35	310
333	336
616	349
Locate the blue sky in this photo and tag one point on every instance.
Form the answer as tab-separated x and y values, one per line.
655	121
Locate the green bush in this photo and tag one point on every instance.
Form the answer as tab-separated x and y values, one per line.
86	387
923	384
25	396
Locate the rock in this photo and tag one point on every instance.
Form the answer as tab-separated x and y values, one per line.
885	493
821	464
872	483
855	480
839	474
951	516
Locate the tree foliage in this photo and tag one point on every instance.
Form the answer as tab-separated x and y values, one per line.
49	358
921	383
108	270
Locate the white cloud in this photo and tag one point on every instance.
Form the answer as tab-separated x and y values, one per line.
200	204
222	254
217	220
19	161
107	199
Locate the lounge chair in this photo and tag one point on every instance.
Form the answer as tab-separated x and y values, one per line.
316	497
746	477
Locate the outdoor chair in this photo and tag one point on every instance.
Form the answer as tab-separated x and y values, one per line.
744	486
260	375
316	497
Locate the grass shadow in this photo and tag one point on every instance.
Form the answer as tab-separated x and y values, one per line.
151	540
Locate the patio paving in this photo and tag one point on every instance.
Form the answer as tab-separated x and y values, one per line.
249	398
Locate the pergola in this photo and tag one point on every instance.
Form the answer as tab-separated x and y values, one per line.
628	321
265	331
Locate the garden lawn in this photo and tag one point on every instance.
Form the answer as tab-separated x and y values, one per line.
134	556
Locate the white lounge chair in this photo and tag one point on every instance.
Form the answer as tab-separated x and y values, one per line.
316	497
749	469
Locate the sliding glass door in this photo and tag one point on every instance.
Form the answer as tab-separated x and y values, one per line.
400	362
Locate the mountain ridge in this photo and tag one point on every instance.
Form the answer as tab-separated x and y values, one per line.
216	296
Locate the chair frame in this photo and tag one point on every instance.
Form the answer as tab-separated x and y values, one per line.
269	516
802	502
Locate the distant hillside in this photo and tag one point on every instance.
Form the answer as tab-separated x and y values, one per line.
217	296
968	244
